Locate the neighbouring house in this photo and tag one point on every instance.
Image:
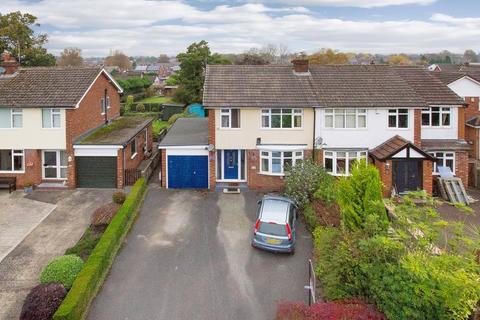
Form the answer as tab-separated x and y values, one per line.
45	113
465	82
169	91
262	118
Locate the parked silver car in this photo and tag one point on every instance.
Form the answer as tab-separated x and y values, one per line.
275	225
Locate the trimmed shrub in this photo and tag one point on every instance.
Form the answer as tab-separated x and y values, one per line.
140	107
42	301
119	197
287	310
311	218
84	247
99	262
129	102
63	270
104	214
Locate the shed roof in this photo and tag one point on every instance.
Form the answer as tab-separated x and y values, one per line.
186	132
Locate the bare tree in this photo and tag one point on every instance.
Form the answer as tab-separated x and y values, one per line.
118	58
71	57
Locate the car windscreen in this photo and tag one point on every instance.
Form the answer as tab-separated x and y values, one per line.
272	229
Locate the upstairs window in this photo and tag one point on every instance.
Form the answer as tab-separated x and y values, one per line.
11	118
282	118
345	118
51	118
230	118
436	117
398	118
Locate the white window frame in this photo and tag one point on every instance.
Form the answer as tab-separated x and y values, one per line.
15	153
227	112
108	102
53	112
297	155
442	110
396	113
16	112
333	154
134	142
444	159
334	112
295	112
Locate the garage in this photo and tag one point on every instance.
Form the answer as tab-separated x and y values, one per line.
185	155
96	172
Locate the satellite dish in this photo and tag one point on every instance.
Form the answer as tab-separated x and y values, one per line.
211	147
2	70
318	141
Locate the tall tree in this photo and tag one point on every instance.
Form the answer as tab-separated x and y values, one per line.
18	37
71	57
470	56
192	67
328	56
399	59
119	59
163	58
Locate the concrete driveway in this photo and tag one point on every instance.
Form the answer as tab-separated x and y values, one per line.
188	256
38	228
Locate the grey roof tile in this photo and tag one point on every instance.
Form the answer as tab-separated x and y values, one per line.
187	132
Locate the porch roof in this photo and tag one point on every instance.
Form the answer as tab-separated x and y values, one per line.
393	146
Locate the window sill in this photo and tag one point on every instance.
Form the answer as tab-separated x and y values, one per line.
436	127
227	129
276	129
271	174
134	155
12	172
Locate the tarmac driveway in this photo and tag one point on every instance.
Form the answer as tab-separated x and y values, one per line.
188	256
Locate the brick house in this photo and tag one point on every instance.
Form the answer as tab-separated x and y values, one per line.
43	113
261	118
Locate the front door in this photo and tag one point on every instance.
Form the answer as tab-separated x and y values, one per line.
54	164
230	164
407	175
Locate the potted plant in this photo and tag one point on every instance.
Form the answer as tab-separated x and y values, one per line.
28	187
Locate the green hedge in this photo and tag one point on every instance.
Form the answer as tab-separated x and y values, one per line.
90	279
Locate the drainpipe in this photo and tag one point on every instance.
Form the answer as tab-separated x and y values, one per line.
314	128
105	105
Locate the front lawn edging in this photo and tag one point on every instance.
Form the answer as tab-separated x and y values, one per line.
96	268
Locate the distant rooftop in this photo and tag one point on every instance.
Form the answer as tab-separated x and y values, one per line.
119	132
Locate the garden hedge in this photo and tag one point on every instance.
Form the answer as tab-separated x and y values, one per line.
90	279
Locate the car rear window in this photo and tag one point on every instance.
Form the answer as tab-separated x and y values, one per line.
272	229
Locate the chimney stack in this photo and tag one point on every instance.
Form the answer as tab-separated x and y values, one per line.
300	65
9	63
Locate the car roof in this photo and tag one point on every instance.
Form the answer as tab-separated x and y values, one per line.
275	209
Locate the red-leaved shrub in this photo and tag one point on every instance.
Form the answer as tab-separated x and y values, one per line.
104	214
332	310
42	301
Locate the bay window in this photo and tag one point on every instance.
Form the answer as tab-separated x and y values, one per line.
398	118
11	160
436	117
345	118
339	163
282	118
443	159
230	118
51	118
11	118
274	162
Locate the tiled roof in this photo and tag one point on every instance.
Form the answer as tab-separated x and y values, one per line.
46	87
324	86
451	73
389	147
444	144
187	132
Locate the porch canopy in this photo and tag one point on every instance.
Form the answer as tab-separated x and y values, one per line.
398	147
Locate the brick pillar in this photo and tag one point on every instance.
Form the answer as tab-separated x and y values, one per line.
385	170
120	169
417	127
164	167
212	154
427	176
461	123
461	166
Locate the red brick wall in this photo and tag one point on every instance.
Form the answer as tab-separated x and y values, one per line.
385	175
461	166
120	169
472	136
164	167
33	169
417	127
88	116
427	176
211	140
472	108
461	123
140	137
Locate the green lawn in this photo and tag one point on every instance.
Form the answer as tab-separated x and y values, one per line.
158	126
156	99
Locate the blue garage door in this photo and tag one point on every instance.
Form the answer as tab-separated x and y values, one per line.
188	172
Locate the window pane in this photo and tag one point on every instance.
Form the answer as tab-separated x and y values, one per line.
362	121
403	121
276	165
46	118
350	121
265	165
265	121
225	121
18	163
276	154
329	164
341	154
425	119
329	121
286	111
297	122
339	121
56	121
275	121
63	158
287	163
5	118
449	163
287	121
17	121
445	119
6	159
63	173
392	121
235	118
341	164
435	119
277	111
287	154
242	164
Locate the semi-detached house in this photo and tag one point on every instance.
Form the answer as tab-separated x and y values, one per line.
261	118
52	128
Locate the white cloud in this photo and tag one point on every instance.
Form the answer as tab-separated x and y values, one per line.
153	27
350	3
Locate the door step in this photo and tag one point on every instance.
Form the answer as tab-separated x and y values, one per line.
52	185
231	190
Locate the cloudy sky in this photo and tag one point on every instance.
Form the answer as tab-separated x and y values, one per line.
149	27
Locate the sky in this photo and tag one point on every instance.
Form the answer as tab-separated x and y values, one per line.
149	27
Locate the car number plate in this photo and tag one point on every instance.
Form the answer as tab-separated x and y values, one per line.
272	241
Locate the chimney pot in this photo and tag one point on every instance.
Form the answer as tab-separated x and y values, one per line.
300	65
9	63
